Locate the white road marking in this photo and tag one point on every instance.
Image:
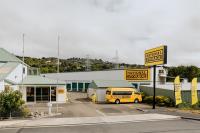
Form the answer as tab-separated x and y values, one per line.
101	113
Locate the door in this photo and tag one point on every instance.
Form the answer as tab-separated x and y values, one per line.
74	87
80	87
38	94
42	94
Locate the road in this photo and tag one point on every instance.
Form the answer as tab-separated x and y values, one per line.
169	126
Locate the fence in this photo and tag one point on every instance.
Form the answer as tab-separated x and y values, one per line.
186	94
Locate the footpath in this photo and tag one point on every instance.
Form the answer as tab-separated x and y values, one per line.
45	122
184	114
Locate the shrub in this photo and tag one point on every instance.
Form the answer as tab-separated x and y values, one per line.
11	103
160	101
148	99
184	105
143	95
196	106
164	101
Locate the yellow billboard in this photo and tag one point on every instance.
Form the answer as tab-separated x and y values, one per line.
194	96
156	56
137	74
177	90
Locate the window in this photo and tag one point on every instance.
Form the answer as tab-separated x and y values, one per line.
53	93
108	92
122	92
23	70
30	94
161	71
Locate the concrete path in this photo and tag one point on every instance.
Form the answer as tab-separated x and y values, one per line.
86	120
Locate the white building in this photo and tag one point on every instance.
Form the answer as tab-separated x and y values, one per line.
15	74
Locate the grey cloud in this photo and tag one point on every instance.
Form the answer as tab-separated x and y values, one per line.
99	27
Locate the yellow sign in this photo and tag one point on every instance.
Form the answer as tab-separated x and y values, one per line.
137	74
194	96
156	56
177	89
61	91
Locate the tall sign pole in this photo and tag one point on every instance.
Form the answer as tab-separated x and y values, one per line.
154	86
153	57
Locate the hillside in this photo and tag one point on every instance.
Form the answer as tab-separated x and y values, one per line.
49	64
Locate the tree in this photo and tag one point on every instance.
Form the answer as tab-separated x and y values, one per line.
188	72
192	72
10	102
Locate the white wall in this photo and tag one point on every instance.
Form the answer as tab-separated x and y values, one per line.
90	92
23	91
157	75
16	74
1	86
61	98
101	95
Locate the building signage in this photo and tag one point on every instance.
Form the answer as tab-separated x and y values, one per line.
194	95
156	56
177	90
61	91
137	74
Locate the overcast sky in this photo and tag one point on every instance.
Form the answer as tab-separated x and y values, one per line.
100	27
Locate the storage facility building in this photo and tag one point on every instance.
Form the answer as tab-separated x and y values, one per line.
79	81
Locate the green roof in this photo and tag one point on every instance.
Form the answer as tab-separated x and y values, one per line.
112	83
39	80
5	56
6	69
10	82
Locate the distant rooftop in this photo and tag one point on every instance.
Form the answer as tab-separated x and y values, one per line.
88	75
39	80
112	83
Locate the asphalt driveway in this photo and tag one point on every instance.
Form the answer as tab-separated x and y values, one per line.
80	106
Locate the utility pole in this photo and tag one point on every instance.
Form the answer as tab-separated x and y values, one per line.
58	67
23	36
116	60
88	63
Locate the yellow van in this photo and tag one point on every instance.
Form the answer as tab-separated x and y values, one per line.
123	95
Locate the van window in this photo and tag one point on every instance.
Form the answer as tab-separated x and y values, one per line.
122	92
108	92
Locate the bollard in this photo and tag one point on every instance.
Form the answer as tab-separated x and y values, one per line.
50	107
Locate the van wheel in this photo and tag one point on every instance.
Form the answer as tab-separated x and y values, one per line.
136	101
117	101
